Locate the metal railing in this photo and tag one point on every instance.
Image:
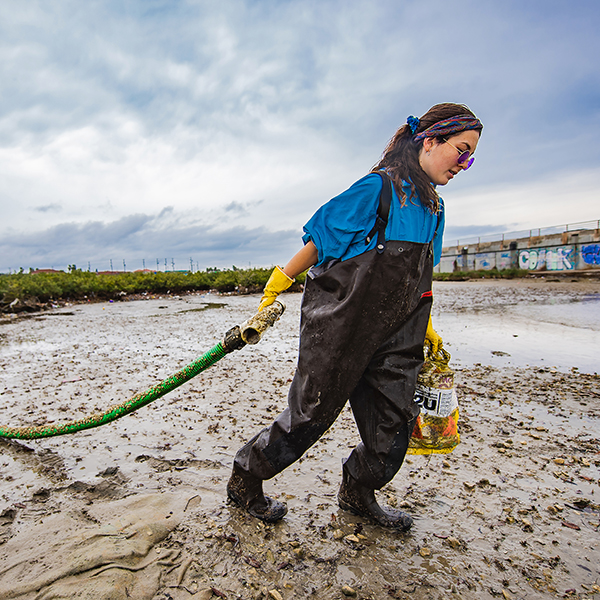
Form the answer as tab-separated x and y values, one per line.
523	233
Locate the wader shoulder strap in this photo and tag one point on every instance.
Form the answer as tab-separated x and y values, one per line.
383	210
437	224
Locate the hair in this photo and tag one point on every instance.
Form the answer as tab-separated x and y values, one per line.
400	159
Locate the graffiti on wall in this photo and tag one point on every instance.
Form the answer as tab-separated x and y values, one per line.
493	260
485	260
591	254
584	256
551	259
504	261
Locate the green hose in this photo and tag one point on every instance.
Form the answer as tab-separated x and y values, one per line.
249	332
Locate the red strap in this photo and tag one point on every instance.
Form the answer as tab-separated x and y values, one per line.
428	294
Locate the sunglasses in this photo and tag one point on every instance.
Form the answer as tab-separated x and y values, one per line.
463	156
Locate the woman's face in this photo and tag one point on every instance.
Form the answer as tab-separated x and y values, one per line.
440	160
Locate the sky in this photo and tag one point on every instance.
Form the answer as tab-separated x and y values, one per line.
206	133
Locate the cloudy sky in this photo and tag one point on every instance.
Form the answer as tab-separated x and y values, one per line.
211	130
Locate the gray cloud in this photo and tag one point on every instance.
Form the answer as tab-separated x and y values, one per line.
148	237
236	207
54	207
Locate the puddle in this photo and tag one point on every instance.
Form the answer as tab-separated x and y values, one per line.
481	324
208	306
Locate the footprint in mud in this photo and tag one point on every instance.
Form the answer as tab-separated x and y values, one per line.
105	490
44	461
114	475
112	487
51	465
7	516
178	464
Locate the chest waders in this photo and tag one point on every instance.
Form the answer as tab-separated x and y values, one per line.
362	329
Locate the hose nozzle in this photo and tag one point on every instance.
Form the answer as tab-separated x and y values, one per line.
253	329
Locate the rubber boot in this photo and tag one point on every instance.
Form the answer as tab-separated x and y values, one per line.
361	501
246	491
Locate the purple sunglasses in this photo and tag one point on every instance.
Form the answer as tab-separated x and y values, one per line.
463	156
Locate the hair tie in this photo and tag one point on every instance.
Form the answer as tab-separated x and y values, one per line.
413	123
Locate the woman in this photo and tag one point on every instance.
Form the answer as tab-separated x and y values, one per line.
365	317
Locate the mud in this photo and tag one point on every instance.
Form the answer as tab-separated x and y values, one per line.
513	512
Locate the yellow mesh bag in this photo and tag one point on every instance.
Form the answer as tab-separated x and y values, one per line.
436	430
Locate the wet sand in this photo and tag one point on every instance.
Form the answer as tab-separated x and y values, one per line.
137	508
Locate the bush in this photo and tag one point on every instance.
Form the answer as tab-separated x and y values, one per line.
78	285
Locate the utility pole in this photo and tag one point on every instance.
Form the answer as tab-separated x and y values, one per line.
111	264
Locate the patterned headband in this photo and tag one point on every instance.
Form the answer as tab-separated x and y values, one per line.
449	127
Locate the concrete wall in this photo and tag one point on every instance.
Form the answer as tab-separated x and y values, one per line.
569	251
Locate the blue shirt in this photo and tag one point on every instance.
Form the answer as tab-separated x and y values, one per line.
340	227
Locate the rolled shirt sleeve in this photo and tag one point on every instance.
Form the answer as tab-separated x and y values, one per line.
344	220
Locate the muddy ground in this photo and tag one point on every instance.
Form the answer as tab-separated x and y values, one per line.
137	508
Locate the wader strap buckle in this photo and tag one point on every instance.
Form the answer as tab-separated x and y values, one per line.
383	211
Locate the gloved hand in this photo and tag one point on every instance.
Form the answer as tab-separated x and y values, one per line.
432	339
278	282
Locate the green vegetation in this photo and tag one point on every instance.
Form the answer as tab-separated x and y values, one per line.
481	274
79	285
41	288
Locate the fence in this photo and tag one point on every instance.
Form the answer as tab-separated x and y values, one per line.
108	266
524	233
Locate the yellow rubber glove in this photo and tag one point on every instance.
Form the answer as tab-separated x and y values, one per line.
278	282
432	339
